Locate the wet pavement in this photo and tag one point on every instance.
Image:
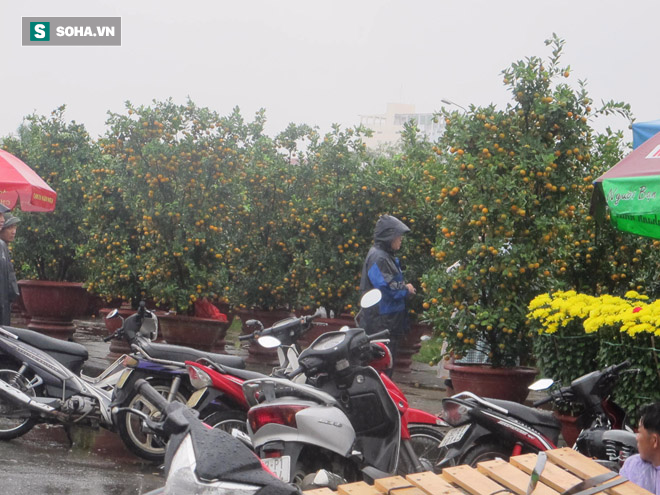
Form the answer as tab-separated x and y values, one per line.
45	462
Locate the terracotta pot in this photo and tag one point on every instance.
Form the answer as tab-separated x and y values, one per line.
256	353
200	333
496	383
410	345
569	427
52	306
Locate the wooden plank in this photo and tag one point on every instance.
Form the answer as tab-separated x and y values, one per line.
319	491
586	468
471	480
511	477
552	475
396	485
432	484
357	488
576	463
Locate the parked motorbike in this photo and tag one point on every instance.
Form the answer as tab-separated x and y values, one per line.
45	385
488	428
163	365
201	460
41	380
344	418
219	396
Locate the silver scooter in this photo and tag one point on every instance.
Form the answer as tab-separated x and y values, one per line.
342	420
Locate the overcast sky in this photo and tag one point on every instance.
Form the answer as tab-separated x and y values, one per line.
320	62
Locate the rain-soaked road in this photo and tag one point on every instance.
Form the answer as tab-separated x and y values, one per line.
42	462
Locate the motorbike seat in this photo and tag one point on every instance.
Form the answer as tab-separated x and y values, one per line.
181	354
49	344
535	417
242	374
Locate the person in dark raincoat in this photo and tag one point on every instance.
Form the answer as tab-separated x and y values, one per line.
382	270
7	290
8	234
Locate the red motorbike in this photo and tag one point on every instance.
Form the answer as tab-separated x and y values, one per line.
221	402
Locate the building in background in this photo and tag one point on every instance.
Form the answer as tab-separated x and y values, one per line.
387	127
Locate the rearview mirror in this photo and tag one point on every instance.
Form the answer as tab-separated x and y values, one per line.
542	384
269	342
371	298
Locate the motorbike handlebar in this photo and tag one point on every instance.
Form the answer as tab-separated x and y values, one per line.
151	394
303	320
540	402
621	366
294	373
383	334
312	317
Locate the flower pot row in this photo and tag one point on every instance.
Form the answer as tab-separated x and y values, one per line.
51	307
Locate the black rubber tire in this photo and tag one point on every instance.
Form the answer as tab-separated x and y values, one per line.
146	446
312	459
425	441
485	452
228	420
26	420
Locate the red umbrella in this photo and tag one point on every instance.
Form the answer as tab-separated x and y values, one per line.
17	180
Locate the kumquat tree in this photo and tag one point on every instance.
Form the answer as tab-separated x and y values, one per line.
512	198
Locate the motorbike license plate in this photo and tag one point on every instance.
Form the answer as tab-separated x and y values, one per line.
280	466
454	435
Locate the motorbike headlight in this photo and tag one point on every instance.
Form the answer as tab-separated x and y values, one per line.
455	413
198	377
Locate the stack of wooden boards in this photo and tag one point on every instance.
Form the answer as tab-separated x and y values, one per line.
565	469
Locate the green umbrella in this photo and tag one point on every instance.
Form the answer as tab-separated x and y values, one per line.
631	190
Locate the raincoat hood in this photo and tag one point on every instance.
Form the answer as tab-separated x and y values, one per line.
387	229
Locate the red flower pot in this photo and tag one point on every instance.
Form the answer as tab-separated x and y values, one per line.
496	383
52	306
569	427
190	331
410	345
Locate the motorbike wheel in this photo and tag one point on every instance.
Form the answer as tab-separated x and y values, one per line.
425	441
15	420
228	420
143	443
485	452
311	460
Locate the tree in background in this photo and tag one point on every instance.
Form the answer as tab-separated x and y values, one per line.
48	245
512	193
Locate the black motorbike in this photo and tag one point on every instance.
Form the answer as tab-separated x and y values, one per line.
485	429
163	365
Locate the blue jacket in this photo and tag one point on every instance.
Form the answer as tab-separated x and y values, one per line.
382	270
